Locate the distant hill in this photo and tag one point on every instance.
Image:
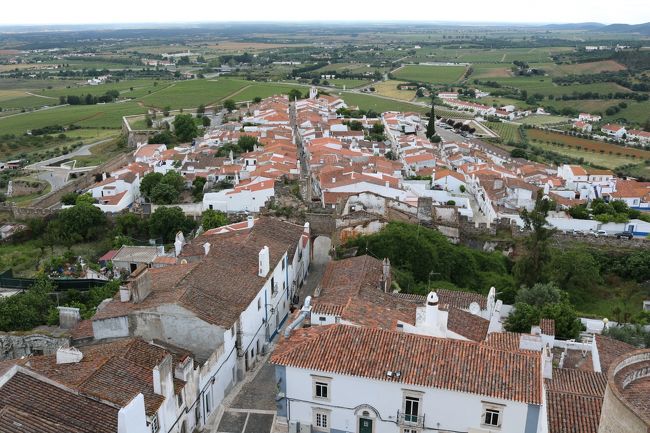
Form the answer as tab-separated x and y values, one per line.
643	29
575	26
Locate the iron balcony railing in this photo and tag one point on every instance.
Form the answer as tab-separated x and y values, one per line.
409	420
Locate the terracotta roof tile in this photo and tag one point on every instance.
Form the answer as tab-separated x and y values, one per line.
468	325
610	349
422	360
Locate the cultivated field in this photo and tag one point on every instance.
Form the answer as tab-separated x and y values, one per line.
430	74
369	102
545	86
589	146
508	132
191	93
348	83
389	88
583	68
543	120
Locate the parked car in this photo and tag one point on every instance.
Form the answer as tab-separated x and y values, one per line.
598	233
576	232
627	235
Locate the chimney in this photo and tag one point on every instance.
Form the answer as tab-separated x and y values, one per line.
68	355
432	311
139	283
125	294
250	221
179	242
163	379
547	359
306	230
206	248
264	261
333	180
68	317
385	275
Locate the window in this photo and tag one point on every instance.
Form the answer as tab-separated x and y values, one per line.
179	399
321	388
197	415
232	330
410	430
411	409
259	303
155	427
492	415
322	420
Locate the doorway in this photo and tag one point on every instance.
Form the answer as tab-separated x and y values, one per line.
365	425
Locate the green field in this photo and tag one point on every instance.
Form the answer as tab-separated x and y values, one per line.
369	102
508	132
486	55
191	93
430	74
264	90
545	86
543	120
348	83
453	114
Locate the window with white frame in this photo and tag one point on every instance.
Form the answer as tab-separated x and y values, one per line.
492	415
321	388
412	407
321	420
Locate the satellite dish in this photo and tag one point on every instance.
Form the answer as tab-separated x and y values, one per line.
474	308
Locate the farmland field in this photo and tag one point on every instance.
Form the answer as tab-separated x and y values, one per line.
389	88
349	83
491	70
508	132
545	86
543	120
430	74
264	90
603	160
369	102
583	68
191	93
588	146
453	114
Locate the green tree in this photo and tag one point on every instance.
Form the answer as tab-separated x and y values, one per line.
212	219
229	105
200	111
131	225
27	310
528	270
163	137
635	335
148	182
165	222
164	193
184	128
69	198
257	99
294	94
197	188
86	198
174	179
166	110
576	271
247	143
82	221
206	121
355	125
148	121
540	294
431	126
518	153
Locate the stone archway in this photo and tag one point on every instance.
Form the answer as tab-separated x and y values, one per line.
322	246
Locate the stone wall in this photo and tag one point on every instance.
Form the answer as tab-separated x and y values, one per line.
616	417
14	346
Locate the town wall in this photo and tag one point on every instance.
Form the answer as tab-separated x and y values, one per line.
14	346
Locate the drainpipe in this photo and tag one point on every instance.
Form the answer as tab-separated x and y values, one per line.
304	311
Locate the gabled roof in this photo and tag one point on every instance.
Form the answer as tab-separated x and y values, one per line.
48	408
431	362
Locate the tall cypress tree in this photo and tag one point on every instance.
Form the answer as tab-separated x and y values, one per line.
431	126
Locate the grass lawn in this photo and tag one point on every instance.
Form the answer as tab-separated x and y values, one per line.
430	74
369	102
389	88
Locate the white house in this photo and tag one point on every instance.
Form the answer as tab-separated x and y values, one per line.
614	130
342	378
245	197
640	136
115	194
586	117
448	180
226	299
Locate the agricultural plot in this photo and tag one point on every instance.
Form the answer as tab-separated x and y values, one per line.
491	70
430	74
587	146
583	68
264	90
389	89
369	102
545	86
543	120
348	83
452	114
191	93
603	160
508	132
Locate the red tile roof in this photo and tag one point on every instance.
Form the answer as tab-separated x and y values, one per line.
422	360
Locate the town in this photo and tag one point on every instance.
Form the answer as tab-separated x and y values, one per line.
406	243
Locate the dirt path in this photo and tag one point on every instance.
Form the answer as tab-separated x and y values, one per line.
40	96
232	95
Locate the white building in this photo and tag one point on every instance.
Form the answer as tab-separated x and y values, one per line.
342	378
614	130
245	197
229	296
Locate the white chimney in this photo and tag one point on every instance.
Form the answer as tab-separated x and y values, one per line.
250	221
125	294
333	180
431	312
548	362
206	248
264	261
179	242
307	230
68	355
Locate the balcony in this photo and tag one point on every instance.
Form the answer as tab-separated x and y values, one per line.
408	420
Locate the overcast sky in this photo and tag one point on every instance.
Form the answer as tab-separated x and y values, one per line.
14	12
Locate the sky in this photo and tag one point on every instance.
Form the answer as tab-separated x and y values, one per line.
165	11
